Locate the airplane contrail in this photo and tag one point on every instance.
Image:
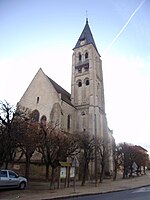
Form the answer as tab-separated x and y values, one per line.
113	41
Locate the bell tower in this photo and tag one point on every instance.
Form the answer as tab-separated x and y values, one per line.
87	91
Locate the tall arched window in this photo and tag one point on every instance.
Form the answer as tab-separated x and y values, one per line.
87	82
37	100
68	122
80	83
86	55
83	121
80	57
35	115
43	120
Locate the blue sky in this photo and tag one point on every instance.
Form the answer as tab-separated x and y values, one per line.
42	33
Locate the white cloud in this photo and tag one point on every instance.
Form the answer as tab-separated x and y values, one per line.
127	93
17	72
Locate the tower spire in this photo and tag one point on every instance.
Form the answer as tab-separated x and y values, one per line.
86	17
86	36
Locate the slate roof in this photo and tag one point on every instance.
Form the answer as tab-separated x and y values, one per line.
65	96
86	35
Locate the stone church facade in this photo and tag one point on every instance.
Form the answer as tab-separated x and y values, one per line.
84	108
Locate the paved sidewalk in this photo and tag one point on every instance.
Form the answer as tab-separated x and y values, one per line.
40	190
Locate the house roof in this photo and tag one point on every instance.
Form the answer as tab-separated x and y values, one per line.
140	148
65	96
86	35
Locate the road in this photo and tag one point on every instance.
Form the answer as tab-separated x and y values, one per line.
142	193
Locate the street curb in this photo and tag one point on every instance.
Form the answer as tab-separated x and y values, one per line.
92	194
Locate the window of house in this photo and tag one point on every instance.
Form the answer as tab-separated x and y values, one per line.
83	113
80	84
43	120
80	70
87	82
68	122
35	115
37	99
80	57
86	55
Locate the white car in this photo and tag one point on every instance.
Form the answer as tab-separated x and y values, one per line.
9	179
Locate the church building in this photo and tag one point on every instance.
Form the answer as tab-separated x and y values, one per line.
84	108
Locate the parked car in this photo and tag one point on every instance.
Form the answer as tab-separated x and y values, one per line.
10	179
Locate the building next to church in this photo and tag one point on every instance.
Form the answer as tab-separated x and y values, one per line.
84	108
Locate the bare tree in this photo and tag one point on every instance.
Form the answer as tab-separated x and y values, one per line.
6	138
103	154
86	145
125	156
26	134
55	145
117	158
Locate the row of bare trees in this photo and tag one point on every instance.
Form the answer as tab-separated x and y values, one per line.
21	136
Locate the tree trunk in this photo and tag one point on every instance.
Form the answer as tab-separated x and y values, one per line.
27	167
144	170
102	174
52	185
115	172
131	171
125	172
47	171
85	169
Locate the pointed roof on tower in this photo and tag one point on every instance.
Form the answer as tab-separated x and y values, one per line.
86	36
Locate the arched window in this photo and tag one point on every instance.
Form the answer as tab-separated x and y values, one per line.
83	113
80	57
79	83
68	122
87	82
83	120
80	70
35	115
37	100
86	55
43	120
